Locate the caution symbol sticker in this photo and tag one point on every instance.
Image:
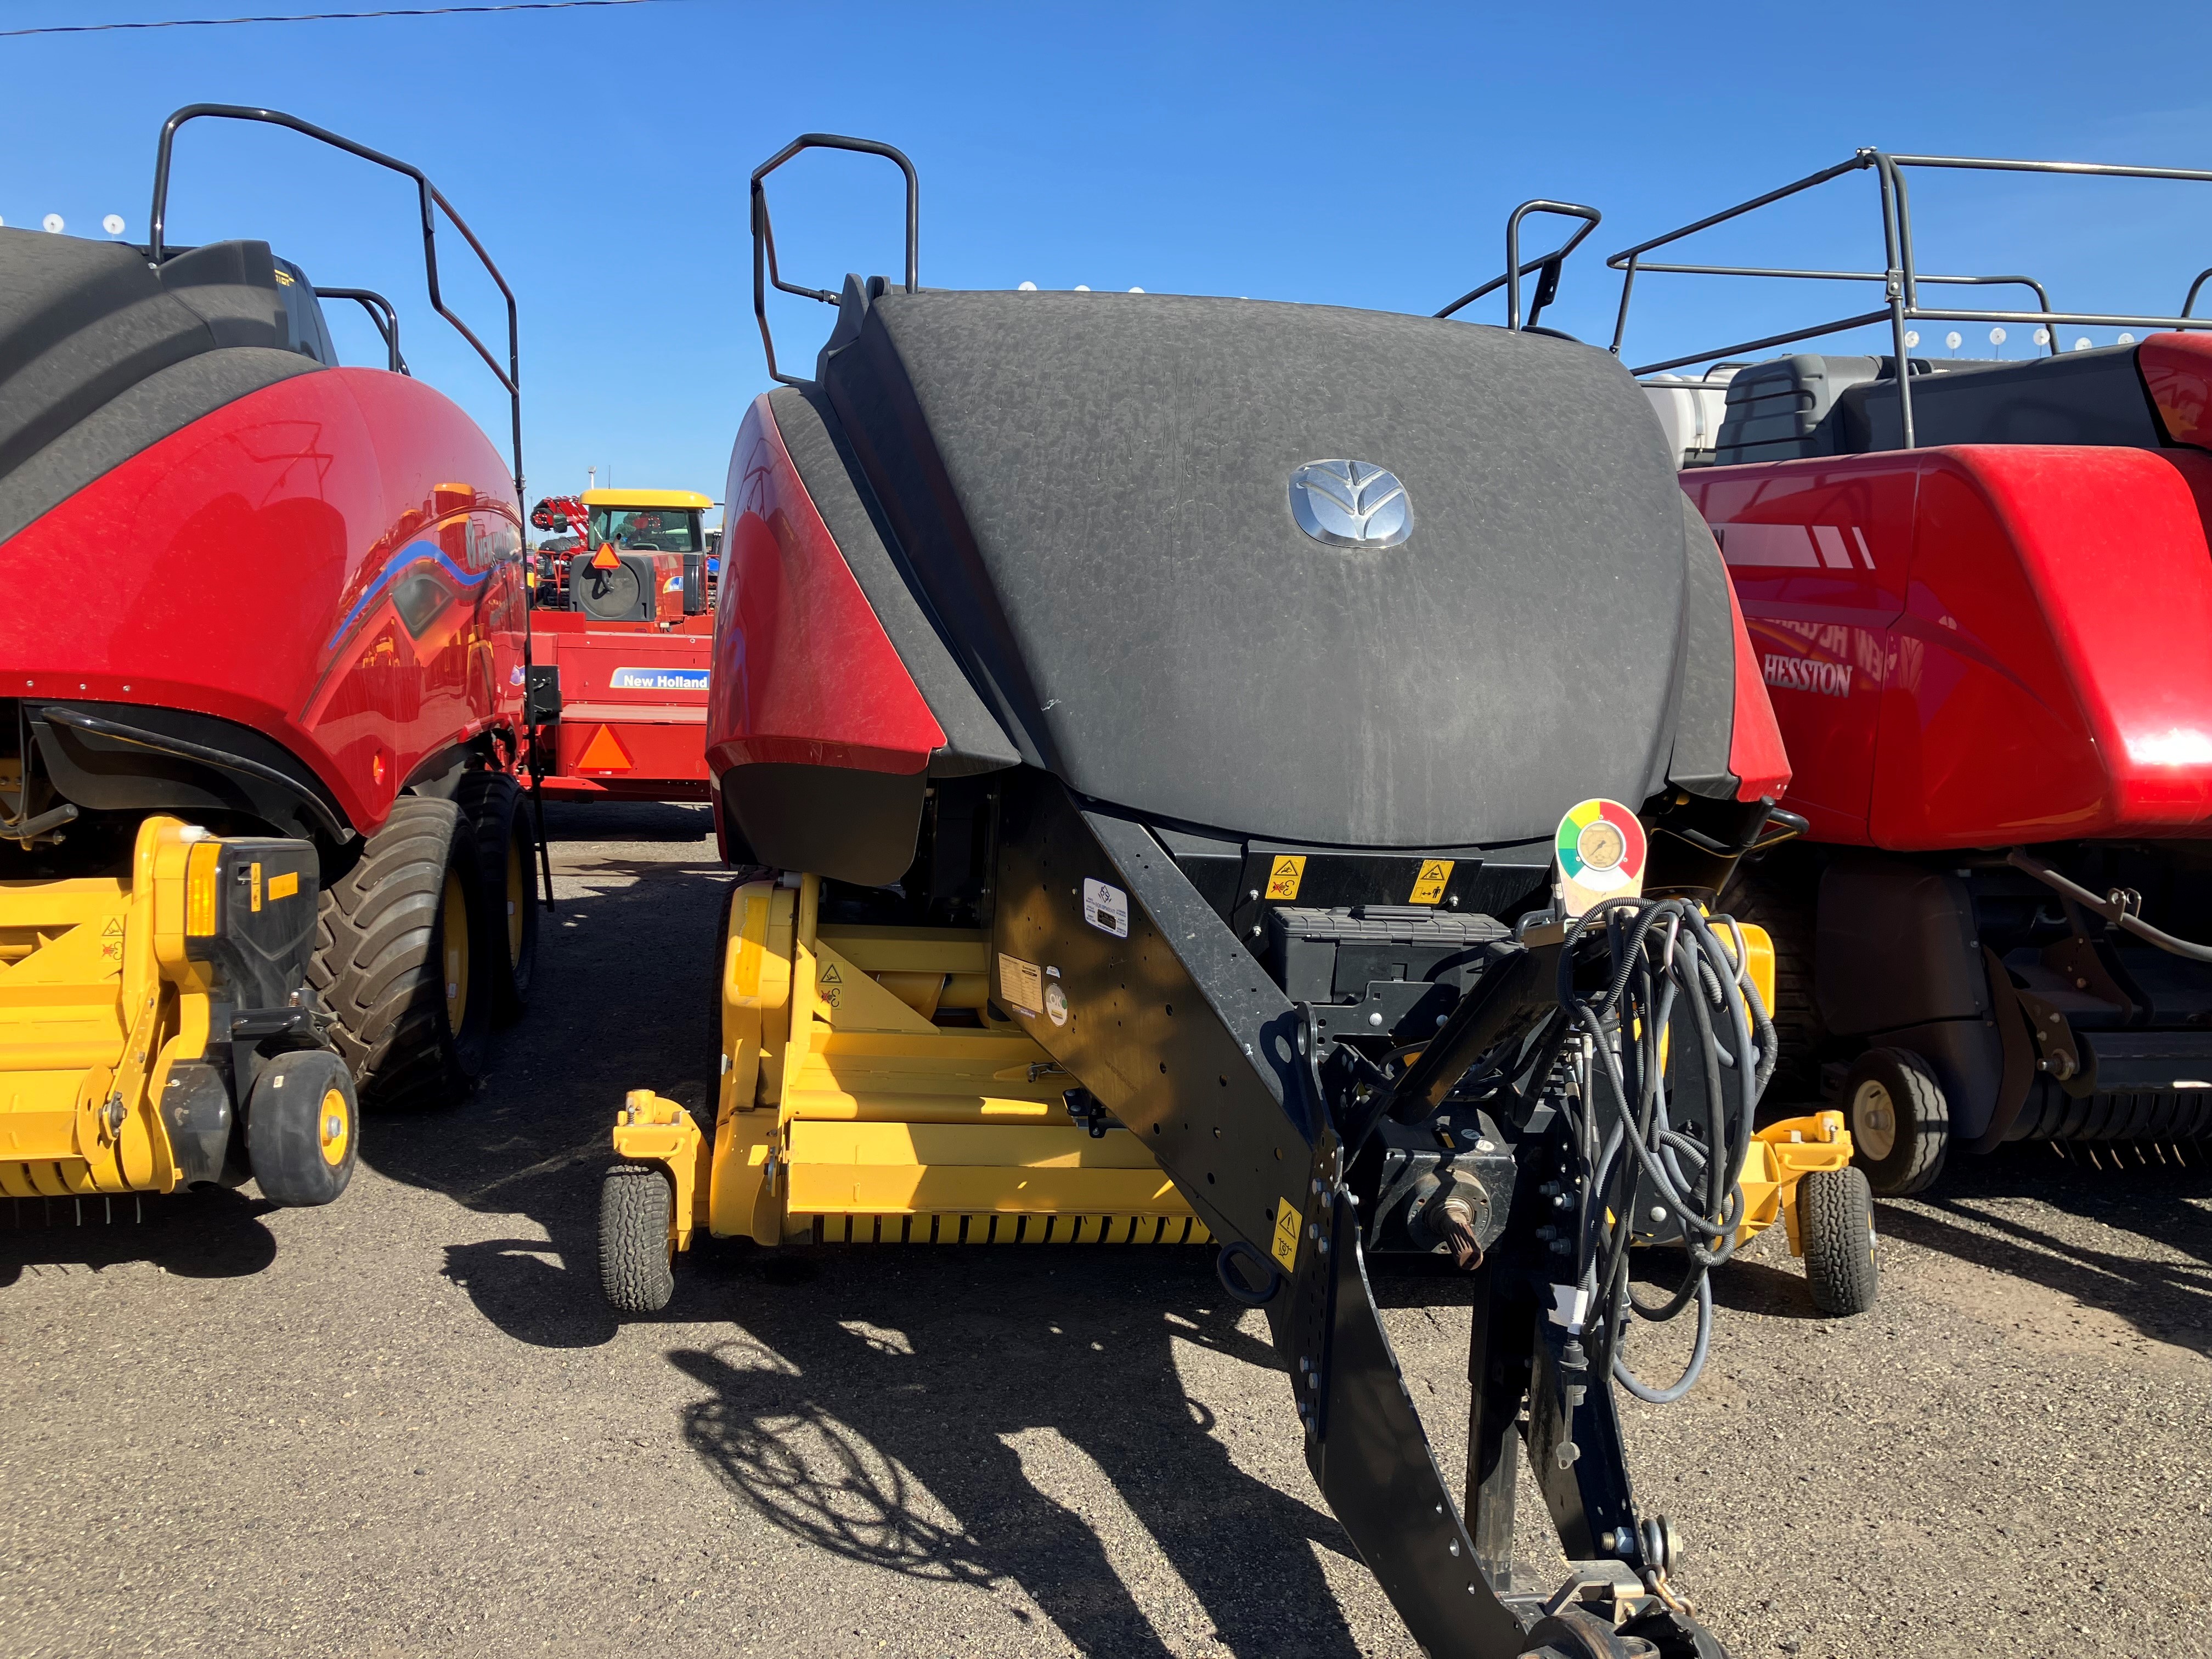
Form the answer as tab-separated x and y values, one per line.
1284	876
1284	1247
830	984
1429	886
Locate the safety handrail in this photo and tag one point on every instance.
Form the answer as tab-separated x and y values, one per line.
1547	286
433	201
2189	305
1900	276
765	269
380	312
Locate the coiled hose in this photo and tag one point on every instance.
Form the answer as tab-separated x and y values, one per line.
1662	959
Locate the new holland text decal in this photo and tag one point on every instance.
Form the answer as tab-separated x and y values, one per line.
658	679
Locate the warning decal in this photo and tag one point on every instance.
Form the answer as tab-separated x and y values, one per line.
284	886
830	983
1284	1248
1284	876
1429	885
1021	984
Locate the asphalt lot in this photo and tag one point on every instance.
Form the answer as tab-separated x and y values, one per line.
407	1425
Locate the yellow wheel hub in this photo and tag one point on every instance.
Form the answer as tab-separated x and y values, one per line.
454	931
335	1132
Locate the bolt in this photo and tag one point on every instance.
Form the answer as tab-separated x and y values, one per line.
1374	1019
1454	1547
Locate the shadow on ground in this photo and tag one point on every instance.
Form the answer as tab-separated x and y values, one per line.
2167	1202
212	1233
889	1408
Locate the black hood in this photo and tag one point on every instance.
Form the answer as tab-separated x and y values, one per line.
1090	495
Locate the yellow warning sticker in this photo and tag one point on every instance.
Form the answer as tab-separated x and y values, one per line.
1284	876
284	886
831	982
1429	886
257	888
1022	983
113	929
1285	1246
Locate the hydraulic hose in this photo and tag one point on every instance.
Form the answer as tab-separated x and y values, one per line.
1664	968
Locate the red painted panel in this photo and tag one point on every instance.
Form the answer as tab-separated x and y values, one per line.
2177	370
1818	552
2051	676
803	669
248	567
1756	755
2029	664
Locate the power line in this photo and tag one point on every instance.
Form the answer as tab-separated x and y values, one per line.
323	16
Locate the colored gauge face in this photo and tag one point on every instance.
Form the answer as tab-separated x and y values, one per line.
1600	845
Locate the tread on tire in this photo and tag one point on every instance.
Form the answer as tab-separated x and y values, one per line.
379	967
636	1271
497	813
1921	1131
1835	1220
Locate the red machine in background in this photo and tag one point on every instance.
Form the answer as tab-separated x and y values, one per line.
265	640
1982	597
623	632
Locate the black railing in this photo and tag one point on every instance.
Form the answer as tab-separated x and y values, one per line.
433	203
765	271
1548	285
381	313
1900	276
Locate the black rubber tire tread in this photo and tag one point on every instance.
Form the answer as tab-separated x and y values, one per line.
283	1123
376	962
1772	898
1924	1124
1835	1221
635	1270
497	810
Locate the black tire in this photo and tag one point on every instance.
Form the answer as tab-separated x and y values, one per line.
498	813
1777	900
303	1128
1899	1120
636	1260
1835	1221
412	1037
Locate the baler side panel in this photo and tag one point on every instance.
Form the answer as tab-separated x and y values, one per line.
1817	552
2050	678
802	672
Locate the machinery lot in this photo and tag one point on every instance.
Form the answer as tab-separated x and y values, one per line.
408	1424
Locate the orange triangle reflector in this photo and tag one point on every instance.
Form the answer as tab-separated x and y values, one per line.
603	753
605	559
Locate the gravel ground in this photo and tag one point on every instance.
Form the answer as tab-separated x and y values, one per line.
407	1425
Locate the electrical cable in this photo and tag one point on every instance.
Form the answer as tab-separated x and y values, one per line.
1666	971
324	16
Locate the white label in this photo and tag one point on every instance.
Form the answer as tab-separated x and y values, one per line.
1106	908
1570	1306
1055	1004
1021	984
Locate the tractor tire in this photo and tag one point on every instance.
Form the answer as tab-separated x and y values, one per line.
1899	1120
303	1128
498	814
1766	898
636	1264
395	960
1835	1221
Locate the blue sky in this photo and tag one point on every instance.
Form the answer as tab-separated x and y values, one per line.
1351	156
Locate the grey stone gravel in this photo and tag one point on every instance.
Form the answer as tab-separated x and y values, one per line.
406	1425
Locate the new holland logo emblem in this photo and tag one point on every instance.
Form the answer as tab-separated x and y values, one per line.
1351	504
